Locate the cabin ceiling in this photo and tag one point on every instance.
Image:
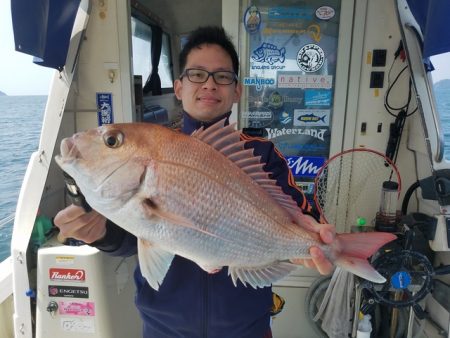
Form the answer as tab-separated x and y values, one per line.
183	16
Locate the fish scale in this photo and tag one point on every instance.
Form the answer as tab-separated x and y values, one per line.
241	213
247	222
204	197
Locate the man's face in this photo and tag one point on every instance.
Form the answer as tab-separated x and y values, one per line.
206	101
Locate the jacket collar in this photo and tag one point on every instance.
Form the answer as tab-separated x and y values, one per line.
190	124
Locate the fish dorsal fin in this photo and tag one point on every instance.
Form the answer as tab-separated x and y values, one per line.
227	140
220	137
261	276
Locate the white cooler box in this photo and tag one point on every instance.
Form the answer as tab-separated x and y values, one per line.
83	292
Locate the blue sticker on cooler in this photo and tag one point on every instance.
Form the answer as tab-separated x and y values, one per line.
104	108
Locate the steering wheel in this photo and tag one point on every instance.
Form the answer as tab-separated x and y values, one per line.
409	278
408	272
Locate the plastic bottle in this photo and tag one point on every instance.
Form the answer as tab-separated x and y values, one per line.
389	196
364	327
42	226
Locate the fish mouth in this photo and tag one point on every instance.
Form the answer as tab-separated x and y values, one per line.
69	150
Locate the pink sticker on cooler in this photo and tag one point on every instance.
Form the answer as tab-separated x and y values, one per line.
76	308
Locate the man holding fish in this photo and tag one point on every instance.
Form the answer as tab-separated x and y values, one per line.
177	297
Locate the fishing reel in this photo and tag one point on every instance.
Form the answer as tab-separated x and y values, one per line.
74	193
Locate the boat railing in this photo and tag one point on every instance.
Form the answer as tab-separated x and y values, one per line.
6	287
6	266
7	220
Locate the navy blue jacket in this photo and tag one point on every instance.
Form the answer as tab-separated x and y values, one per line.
190	302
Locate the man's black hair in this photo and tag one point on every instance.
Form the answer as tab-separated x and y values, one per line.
209	35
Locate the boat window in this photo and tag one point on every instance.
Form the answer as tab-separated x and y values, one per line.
142	57
441	86
288	74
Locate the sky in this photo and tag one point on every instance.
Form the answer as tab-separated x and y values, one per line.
20	76
441	65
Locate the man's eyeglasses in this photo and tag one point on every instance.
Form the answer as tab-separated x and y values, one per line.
221	77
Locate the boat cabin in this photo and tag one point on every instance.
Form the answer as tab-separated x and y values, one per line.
344	85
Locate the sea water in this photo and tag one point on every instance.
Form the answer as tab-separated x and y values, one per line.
20	126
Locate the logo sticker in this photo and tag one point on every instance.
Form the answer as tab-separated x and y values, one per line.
275	100
65	260
275	103
315	133
290	13
104	108
252	19
311	118
259	82
289	146
74	324
285	118
68	291
295	29
76	308
293	80
67	275
325	13
307	187
258	119
310	58
268	53
305	166
317	97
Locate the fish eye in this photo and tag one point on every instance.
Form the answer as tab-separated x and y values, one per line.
113	138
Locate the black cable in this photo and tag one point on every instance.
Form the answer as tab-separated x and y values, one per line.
395	133
402	120
408	195
386	100
389	108
400	113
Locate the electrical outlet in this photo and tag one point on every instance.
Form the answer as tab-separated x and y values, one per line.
376	79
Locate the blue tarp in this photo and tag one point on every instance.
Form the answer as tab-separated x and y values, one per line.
433	18
42	28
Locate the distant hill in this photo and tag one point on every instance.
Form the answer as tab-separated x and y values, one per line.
443	85
2	94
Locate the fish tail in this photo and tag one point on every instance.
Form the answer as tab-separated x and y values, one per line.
354	249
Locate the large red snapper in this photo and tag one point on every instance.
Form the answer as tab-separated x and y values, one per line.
204	197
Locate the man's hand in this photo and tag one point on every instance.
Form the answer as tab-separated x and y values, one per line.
74	222
319	261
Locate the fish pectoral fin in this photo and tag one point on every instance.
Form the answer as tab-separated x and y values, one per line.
154	262
261	276
153	210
